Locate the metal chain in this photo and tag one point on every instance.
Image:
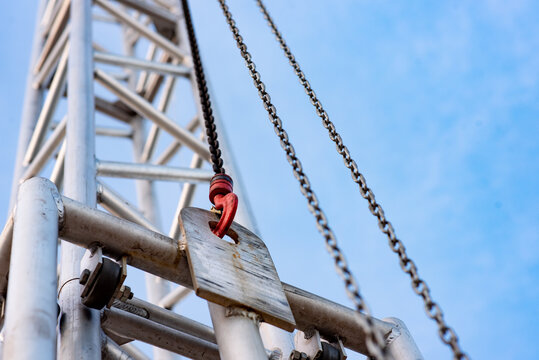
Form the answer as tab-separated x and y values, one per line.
205	103
374	340
420	287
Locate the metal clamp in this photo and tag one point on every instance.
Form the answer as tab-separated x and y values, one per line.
311	344
103	280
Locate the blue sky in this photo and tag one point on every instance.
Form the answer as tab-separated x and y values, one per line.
438	103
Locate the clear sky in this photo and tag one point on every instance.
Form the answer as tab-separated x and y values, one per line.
438	103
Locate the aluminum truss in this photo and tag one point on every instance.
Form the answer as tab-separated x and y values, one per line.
72	69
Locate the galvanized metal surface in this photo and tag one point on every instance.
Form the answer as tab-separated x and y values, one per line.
31	313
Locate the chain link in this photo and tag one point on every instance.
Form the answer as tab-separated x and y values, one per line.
205	103
374	339
420	287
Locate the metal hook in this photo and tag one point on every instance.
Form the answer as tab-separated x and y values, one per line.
223	199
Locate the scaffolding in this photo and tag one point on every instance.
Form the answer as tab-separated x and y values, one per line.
61	192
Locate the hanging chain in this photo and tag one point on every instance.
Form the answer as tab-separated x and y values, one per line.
205	103
374	339
420	287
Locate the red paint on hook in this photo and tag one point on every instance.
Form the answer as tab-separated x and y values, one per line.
223	199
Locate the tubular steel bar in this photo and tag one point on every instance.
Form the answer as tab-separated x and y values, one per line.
112	351
150	54
173	148
135	353
145	109
151	140
30	330
166	317
132	326
57	175
152	172
186	197
118	206
79	328
113	132
131	62
400	342
237	333
161	41
5	254
30	112
329	318
46	151
59	22
173	297
52	59
112	110
153	11
49	106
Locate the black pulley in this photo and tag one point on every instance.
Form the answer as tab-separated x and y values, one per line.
104	285
329	352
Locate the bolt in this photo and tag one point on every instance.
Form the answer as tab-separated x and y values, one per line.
298	355
84	276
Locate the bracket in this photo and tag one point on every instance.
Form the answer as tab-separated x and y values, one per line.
236	273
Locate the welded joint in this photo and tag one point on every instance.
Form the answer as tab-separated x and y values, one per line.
231	311
393	334
275	354
314	346
60	206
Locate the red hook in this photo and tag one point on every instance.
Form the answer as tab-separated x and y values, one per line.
224	199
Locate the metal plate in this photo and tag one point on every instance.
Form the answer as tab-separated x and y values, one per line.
227	273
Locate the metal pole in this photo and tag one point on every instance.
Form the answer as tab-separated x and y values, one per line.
30	331
112	351
144	108
135	353
151	140
173	148
30	113
132	62
152	172
277	340
237	333
55	92
161	41
166	317
400	342
136	327
115	204
52	59
173	297
79	328
46	151
186	197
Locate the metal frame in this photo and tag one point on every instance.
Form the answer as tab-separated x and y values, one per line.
64	53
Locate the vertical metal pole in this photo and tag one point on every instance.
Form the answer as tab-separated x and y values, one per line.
276	339
79	325
31	313
31	108
237	333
